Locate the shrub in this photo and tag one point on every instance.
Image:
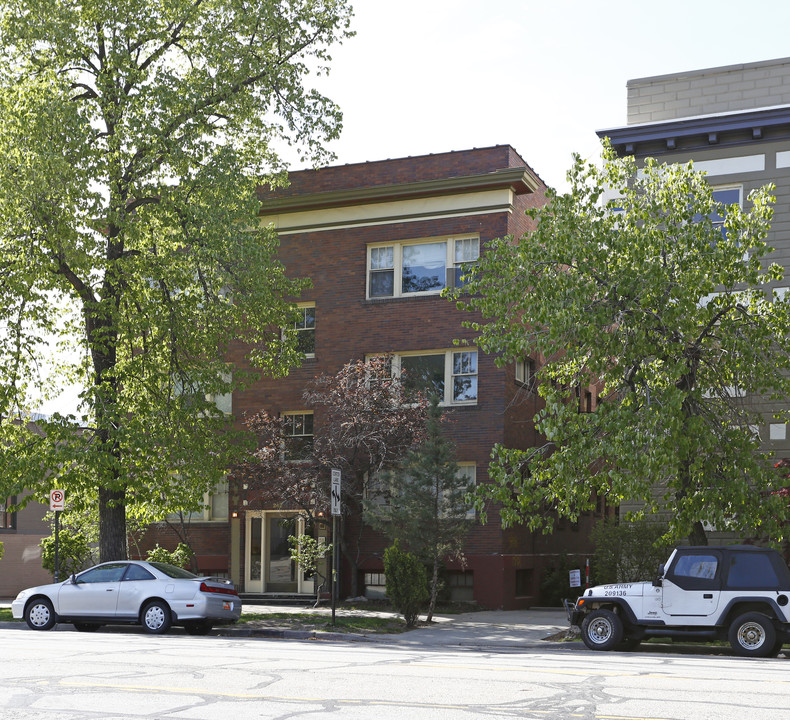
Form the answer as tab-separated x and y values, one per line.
74	552
628	551
181	557
555	583
2	550
407	584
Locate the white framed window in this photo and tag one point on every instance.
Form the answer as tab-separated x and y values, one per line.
452	374
222	401
305	329
419	267
777	431
524	370
298	435
215	505
468	471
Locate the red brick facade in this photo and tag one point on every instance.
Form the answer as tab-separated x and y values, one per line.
445	195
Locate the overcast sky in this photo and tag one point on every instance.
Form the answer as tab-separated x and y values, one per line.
428	76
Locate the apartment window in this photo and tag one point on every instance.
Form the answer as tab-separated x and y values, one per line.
461	585
586	401
452	374
305	330
425	373
417	267
7	517
467	253
298	435
192	393
729	196
524	371
468	471
215	505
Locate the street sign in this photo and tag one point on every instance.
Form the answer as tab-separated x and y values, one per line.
335	492
57	500
576	578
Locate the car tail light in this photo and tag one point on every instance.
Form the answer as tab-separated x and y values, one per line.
221	590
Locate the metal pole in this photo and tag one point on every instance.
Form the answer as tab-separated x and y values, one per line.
57	539
334	566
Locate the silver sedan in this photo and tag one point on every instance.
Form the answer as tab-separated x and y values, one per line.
152	594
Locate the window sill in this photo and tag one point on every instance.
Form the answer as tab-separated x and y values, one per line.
404	298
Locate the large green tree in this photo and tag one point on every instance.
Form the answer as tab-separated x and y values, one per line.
133	135
661	297
425	501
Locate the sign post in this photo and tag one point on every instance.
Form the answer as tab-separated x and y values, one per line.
57	503
336	479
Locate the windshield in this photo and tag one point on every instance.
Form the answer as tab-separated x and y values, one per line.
173	571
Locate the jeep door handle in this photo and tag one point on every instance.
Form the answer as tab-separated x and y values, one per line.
708	596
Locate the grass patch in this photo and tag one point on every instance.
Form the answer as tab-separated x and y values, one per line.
312	621
5	615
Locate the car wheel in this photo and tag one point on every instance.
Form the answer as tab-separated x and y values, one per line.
156	617
198	628
87	627
602	630
40	615
752	635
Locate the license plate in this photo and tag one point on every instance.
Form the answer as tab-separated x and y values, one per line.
227	606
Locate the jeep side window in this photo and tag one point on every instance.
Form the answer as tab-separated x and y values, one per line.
696	571
754	570
696	566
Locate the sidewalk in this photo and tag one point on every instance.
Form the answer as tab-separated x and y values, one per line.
484	628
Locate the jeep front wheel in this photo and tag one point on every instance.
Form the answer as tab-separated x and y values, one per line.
752	635
602	630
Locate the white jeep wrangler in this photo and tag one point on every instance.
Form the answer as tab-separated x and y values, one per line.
738	592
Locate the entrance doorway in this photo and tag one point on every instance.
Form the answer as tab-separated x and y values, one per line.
268	565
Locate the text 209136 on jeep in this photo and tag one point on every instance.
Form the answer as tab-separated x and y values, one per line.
738	593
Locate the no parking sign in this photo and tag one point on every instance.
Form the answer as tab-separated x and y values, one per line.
57	500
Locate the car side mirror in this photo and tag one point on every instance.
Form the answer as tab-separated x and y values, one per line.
73	579
659	579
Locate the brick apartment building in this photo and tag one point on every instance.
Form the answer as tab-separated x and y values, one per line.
380	240
734	123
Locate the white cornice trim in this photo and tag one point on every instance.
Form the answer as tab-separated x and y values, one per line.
387	213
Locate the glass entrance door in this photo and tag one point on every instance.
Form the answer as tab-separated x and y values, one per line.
268	566
280	569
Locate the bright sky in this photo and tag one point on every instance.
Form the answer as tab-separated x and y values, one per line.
429	76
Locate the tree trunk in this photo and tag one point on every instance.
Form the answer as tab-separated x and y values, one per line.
112	521
698	536
434	589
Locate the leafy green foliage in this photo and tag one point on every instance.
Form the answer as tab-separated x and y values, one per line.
424	502
555	583
133	137
407	586
2	550
74	552
646	300
309	553
628	551
182	556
